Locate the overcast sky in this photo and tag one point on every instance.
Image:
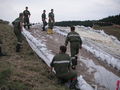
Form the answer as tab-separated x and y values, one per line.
63	9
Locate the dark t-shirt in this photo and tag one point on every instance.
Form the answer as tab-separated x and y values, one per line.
26	13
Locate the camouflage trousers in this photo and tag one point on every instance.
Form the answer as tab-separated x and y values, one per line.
51	25
74	48
26	22
67	76
44	24
18	35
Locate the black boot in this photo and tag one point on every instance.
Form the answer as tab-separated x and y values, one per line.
18	48
43	28
74	62
28	25
76	57
73	84
61	81
73	67
25	26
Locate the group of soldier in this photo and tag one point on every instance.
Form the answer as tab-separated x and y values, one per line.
63	64
23	20
51	21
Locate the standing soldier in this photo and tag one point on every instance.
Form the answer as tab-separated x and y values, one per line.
51	22
44	20
75	43
26	14
18	24
61	65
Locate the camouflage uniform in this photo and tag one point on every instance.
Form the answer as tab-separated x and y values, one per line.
51	22
61	64
17	30
26	14
75	44
44	20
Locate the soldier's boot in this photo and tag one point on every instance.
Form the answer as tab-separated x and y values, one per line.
28	26
18	47
2	54
76	57
43	28
74	62
25	26
61	82
49	31
73	84
73	67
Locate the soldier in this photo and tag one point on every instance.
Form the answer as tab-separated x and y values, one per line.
18	24
75	43
44	19
1	53
26	14
51	22
61	65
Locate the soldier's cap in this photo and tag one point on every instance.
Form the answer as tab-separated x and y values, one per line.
72	28
51	9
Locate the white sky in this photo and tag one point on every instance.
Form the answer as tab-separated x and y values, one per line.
63	9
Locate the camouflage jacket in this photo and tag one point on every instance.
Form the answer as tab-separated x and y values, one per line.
61	63
51	16
43	17
16	23
26	13
73	37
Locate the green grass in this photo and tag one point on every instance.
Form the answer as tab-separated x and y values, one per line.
5	83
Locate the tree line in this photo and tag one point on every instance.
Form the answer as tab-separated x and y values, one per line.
102	22
112	19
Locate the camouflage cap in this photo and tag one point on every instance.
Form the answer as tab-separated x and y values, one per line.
72	28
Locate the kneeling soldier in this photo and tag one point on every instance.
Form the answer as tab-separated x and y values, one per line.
61	65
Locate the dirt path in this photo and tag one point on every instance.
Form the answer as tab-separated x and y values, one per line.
55	40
